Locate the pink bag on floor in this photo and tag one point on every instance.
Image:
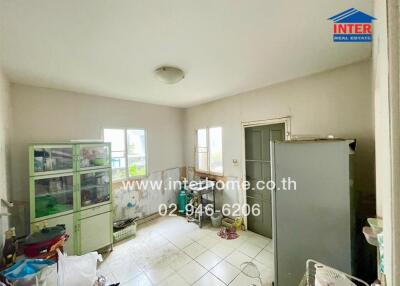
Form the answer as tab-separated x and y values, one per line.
228	233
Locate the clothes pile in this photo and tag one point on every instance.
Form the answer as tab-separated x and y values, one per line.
228	233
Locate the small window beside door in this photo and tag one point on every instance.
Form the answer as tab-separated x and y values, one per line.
209	150
129	155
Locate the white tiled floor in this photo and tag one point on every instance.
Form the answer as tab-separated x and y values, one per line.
171	251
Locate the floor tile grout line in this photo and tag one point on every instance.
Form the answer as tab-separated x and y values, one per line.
209	271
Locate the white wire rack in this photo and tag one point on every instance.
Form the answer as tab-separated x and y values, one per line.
342	278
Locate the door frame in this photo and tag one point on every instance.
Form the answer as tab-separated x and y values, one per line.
246	124
391	195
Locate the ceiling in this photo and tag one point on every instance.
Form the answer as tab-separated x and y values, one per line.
110	48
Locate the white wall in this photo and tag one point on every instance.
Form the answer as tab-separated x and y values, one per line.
337	102
5	116
48	115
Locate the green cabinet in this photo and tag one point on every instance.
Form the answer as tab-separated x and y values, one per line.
71	184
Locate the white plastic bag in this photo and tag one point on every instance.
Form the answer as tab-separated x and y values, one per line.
77	270
48	276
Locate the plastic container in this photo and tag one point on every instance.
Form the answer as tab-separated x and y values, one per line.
216	219
381	253
42	244
125	233
370	236
375	224
238	223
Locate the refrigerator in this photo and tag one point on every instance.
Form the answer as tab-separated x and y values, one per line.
313	218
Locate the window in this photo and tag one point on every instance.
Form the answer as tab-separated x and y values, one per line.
136	143
128	149
215	150
118	161
209	150
202	150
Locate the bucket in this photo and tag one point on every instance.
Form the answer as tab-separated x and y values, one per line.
216	219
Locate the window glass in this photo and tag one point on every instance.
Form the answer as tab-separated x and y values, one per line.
202	161
215	135
209	150
128	150
116	137
202	150
202	138
136	142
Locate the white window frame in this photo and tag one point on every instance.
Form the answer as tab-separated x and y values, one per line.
126	156
209	172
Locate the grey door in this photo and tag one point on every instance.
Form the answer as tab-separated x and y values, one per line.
258	168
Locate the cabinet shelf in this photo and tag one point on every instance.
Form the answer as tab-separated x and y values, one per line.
92	187
51	194
57	194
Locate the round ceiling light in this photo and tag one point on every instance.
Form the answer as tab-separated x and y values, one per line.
169	75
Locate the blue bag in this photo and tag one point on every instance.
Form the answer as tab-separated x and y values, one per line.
26	268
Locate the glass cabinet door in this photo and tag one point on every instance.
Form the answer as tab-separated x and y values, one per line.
49	159
53	195
94	156
95	187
